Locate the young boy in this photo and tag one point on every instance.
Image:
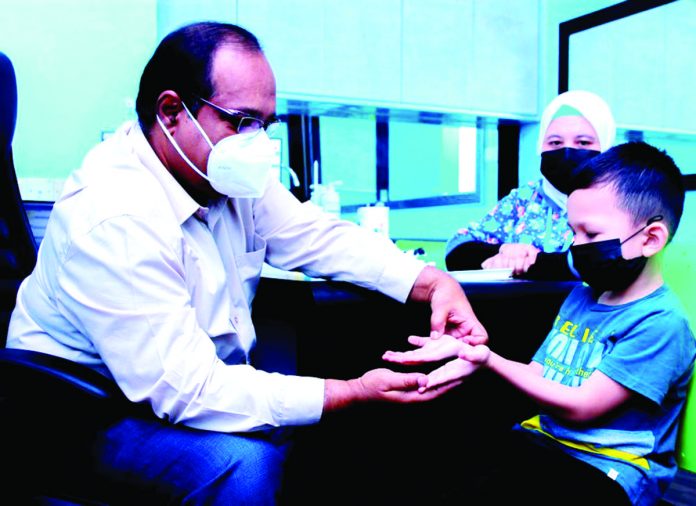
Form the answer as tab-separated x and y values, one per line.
612	375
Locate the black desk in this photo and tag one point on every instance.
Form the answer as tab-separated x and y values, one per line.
341	331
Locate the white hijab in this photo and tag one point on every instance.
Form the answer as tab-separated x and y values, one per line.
595	110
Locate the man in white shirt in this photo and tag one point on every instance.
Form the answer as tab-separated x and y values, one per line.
149	266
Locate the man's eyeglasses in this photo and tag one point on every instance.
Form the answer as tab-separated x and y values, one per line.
242	122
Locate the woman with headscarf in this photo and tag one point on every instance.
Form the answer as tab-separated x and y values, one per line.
532	219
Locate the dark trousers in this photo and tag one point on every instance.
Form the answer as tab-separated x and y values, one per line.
142	460
529	473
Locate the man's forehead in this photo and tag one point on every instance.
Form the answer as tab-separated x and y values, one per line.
243	78
233	64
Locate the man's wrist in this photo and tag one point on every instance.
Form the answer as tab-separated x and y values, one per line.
339	394
426	282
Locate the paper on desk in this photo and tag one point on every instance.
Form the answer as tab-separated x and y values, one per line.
482	275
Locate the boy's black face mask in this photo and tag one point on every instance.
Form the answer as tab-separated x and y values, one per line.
602	266
558	166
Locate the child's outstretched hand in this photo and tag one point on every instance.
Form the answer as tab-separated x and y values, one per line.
429	350
478	354
470	358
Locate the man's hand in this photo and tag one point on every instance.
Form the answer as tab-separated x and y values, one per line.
470	359
381	385
518	257
451	311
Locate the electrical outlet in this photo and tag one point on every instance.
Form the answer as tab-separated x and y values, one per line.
40	189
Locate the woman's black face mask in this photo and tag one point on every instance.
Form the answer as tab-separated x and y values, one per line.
602	266
559	166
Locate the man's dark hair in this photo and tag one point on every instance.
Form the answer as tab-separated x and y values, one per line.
183	62
646	179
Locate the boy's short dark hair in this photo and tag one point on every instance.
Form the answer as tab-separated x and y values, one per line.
646	179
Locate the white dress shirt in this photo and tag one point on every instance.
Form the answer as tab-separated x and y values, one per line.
138	281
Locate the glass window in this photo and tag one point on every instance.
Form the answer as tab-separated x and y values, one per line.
468	156
431	160
348	155
427	163
680	146
281	164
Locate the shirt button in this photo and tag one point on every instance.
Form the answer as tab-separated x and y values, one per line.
236	320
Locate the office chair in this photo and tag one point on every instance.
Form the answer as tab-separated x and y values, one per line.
44	400
17	246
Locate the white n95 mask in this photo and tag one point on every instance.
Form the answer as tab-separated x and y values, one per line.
238	166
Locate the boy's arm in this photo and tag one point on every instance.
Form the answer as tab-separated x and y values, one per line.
597	396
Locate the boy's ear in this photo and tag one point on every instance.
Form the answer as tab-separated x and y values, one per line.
656	235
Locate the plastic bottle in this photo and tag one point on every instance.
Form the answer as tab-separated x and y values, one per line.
332	200
317	195
381	218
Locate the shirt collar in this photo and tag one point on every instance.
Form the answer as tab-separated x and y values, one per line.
183	205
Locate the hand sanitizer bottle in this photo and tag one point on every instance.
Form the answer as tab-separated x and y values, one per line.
332	200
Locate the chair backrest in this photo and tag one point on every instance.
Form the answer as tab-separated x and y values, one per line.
686	444
17	244
680	275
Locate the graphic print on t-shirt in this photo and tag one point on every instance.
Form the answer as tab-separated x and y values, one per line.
572	353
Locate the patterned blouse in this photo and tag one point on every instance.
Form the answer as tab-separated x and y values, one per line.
526	215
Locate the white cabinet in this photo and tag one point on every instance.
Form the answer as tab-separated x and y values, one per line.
505	56
363	49
438	39
479	55
338	50
466	55
291	35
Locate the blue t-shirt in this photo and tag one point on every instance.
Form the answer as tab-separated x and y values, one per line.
646	346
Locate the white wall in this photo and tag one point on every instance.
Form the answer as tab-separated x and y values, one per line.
78	63
552	13
645	70
173	14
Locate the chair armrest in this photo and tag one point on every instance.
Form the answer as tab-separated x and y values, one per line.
28	374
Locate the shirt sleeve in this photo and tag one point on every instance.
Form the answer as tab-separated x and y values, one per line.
652	355
300	236
123	285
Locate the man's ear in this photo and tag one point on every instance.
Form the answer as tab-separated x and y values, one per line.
655	238
169	105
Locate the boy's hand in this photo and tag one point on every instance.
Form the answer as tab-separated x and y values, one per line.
478	354
429	350
453	372
470	359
